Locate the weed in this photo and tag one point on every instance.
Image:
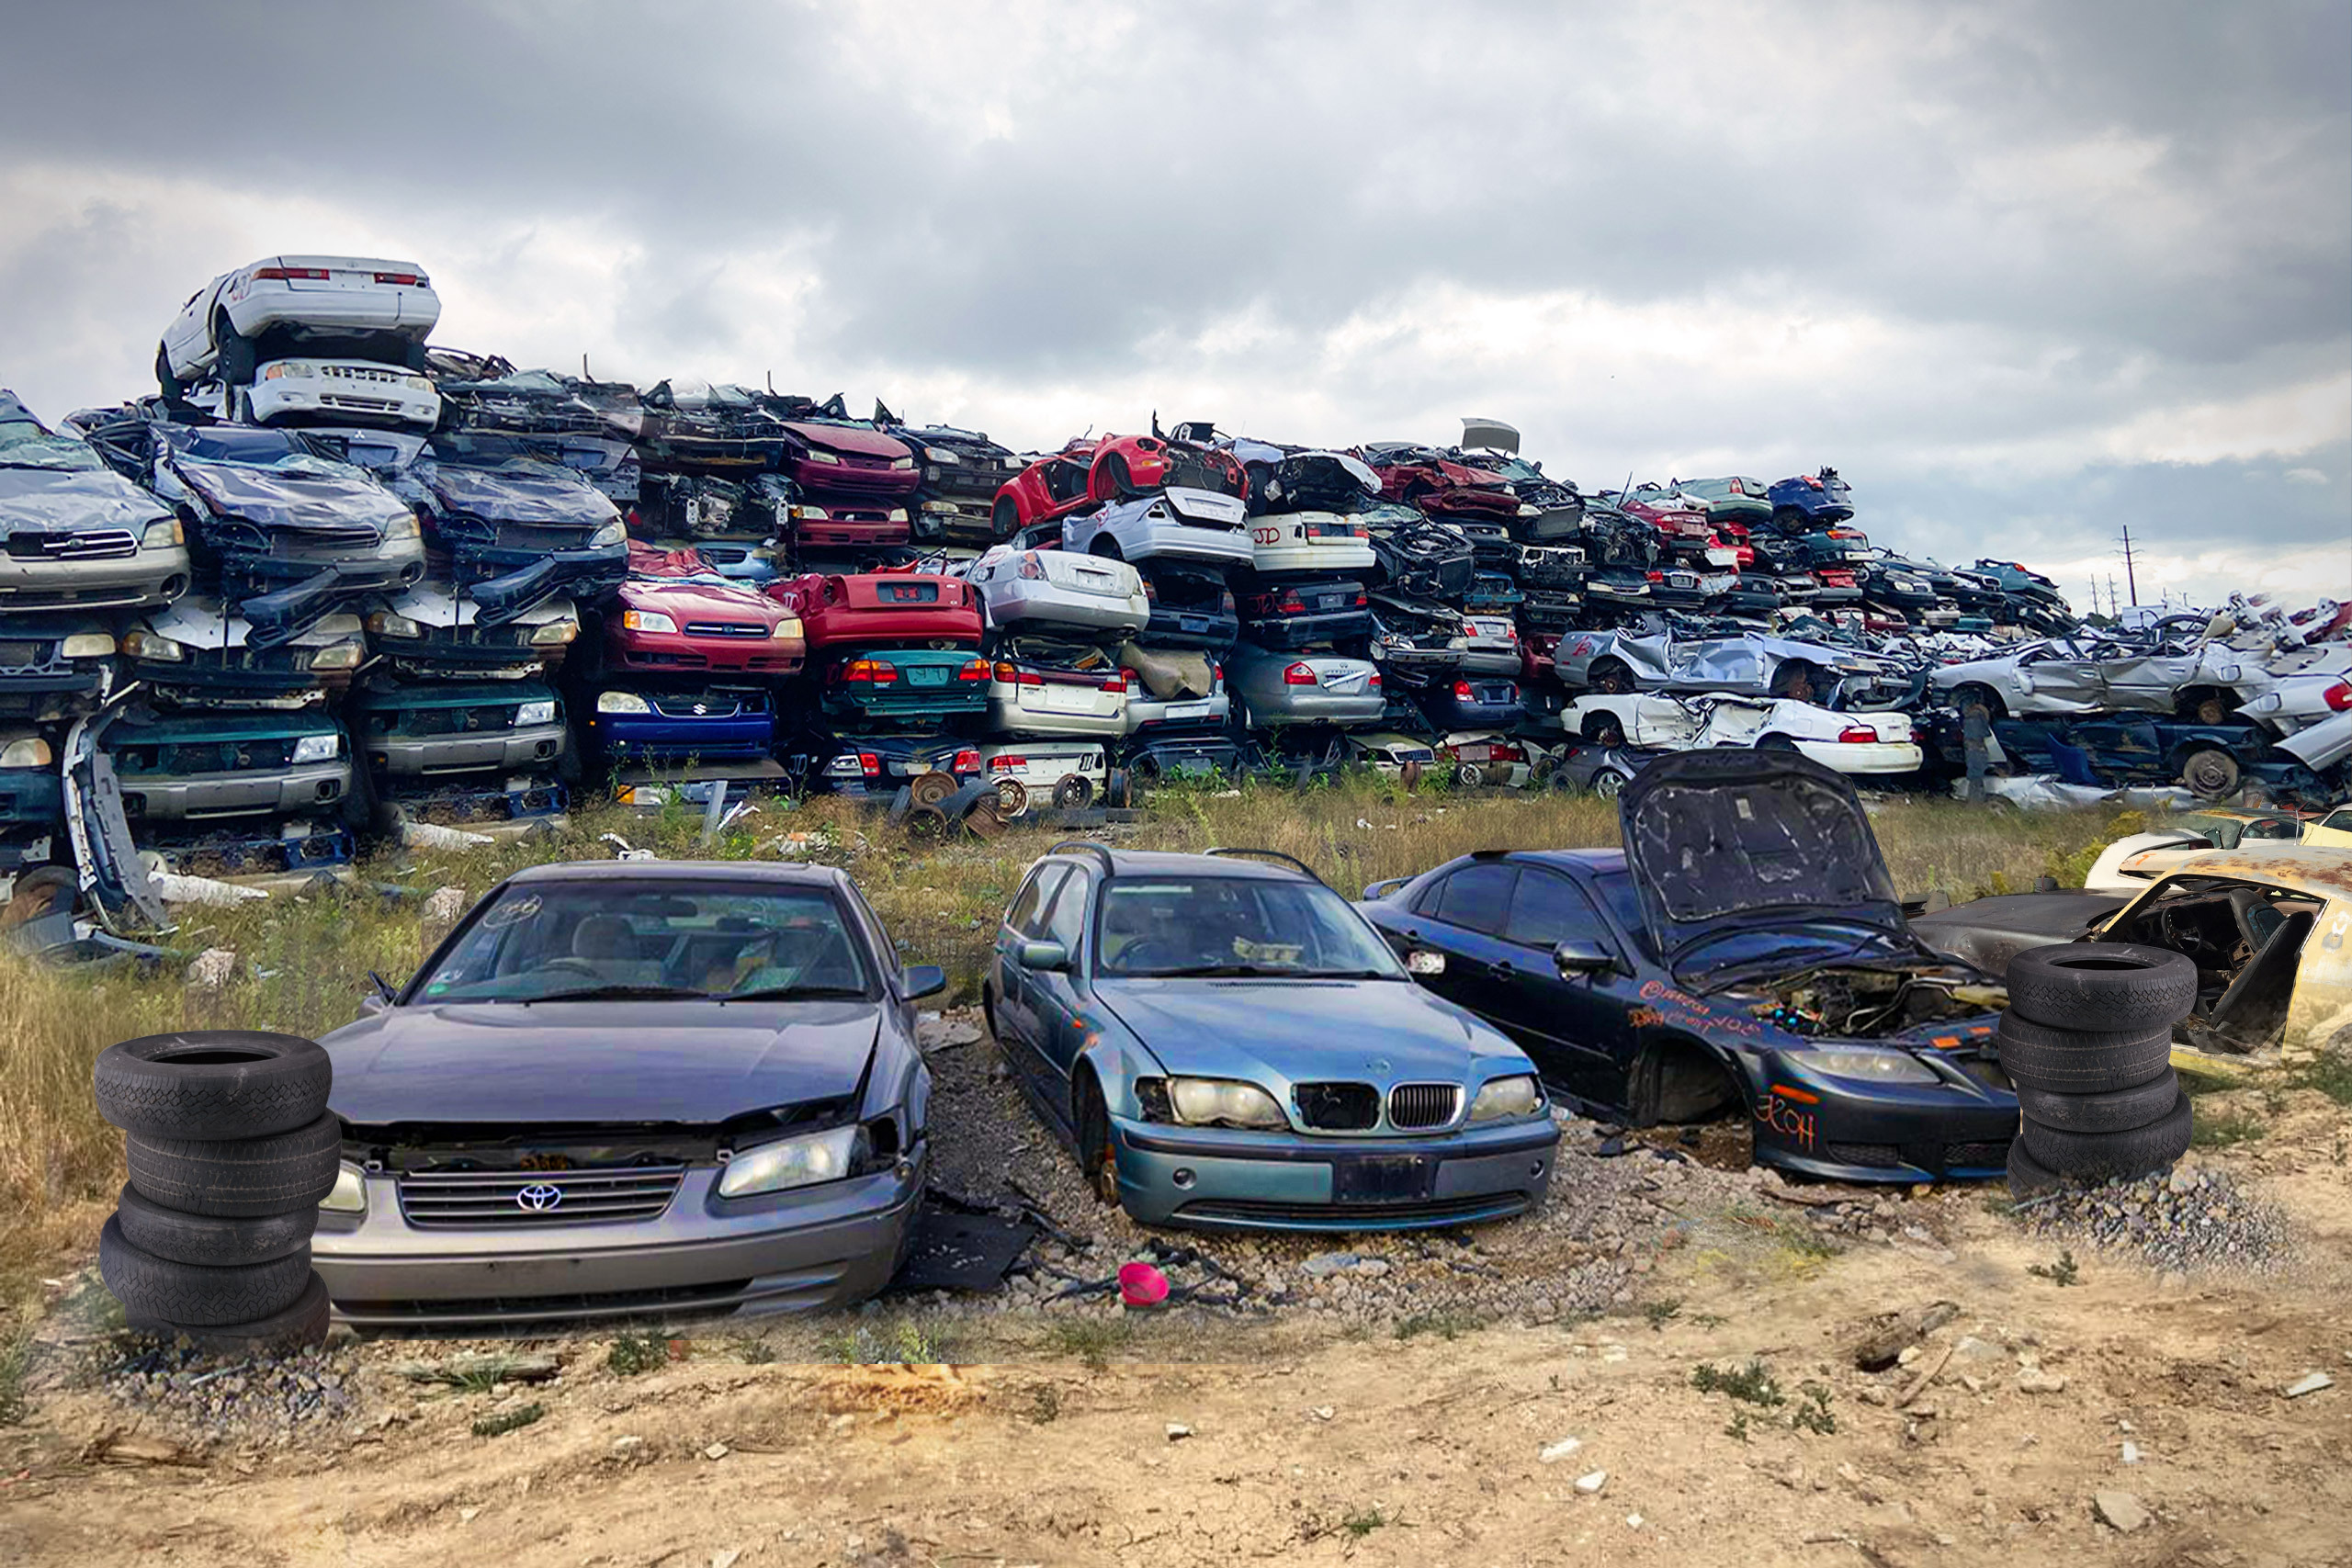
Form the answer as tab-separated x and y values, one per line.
508	1420
633	1353
903	1342
478	1379
1661	1312
1751	1385
2222	1130
2331	1074
1363	1522
1090	1339
1045	1404
754	1352
2062	1273
1737	1426
1812	1413
16	1355
1444	1324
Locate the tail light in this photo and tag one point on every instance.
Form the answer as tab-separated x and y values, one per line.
1857	735
405	279
1299	675
870	765
1654	576
1004	764
1032	567
2338	697
1361	600
966	762
869	671
1505	754
974	670
282	274
1117	683
1216	674
1011	674
1374	681
1462	691
1292	603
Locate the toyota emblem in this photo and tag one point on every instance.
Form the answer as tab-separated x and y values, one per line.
538	1197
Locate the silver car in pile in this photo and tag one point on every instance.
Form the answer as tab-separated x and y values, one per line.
1276	688
1178	522
1021	585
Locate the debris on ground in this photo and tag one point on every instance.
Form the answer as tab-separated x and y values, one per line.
2177	1221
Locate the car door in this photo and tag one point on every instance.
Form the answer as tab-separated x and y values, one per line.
1023	921
1056	1007
1460	918
1569	1024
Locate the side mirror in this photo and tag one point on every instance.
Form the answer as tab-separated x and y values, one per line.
924	980
374	1001
1043	955
1576	958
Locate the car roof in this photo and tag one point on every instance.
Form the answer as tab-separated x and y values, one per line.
1587	861
1166	862
2306	868
679	871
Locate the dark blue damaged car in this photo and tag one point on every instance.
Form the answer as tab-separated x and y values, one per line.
1225	1044
1744	955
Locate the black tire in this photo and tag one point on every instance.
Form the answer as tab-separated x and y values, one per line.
2117	1110
153	1287
39	892
2099	1156
1613	678
2028	1175
234	360
1608	783
238	1178
1469	775
2114	987
2209	773
165	382
1073	791
2063	1061
1096	1160
209	1240
212	1083
1118	790
303	1324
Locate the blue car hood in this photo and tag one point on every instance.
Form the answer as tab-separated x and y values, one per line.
694	1063
1297	1030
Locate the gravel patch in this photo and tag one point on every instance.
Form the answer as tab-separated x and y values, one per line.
238	1402
2176	1220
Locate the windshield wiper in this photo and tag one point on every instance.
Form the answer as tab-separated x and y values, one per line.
616	994
779	993
1220	972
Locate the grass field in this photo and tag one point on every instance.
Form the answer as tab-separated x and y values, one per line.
303	963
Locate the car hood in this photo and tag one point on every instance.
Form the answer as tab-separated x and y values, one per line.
520	490
1300	1029
296	492
43	499
677	596
695	1062
851	438
1733	840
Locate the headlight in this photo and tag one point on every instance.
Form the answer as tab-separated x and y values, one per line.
1866	1065
147	645
621	701
816	456
793	1162
317	749
30	753
902	462
610	533
162	533
647	621
350	1194
555	634
527	714
287	370
337	656
788	629
418	383
1498	1098
403	527
89	645
383	622
1209	1101
941	455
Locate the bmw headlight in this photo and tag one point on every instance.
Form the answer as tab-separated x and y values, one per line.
789	629
337	656
162	532
610	533
1205	1102
621	701
528	713
793	1162
1499	1098
350	1194
1868	1065
89	645
403	527
647	621
317	749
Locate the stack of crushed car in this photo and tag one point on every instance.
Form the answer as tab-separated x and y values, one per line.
335	579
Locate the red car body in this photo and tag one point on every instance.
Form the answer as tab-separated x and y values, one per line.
1682	529
670	624
1089	471
881	609
1416	478
849	460
1054	485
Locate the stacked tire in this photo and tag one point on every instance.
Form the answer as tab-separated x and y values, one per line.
2087	1043
231	1147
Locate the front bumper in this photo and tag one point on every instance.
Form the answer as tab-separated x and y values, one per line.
67	685
282	791
659	737
147	578
824	1247
1848	1131
1215	1179
398	756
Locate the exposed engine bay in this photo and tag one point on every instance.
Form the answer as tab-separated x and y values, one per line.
1868	1003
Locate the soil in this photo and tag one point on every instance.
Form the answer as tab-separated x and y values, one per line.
1069	1434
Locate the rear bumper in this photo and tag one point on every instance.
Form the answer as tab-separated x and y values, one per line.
1007	714
1863	757
1216	1179
1177	541
1021	602
1308	631
1321	707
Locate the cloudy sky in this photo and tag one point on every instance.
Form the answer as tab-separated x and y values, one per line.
2025	273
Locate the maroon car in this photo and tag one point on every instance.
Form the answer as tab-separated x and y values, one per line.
1423	477
672	625
842	460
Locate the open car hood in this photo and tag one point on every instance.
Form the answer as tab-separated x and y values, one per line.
1723	842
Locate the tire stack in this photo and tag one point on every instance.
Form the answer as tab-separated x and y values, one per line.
2087	1043
231	1148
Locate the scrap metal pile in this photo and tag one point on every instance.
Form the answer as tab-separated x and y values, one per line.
333	581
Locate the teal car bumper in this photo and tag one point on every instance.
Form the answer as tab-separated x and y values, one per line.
1215	1177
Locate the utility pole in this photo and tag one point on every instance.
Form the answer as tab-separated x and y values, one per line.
2129	578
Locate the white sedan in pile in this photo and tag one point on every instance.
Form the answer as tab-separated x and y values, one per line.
1178	522
1028	588
1847	742
1282	543
335	391
300	298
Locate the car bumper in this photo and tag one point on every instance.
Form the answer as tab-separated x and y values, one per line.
1851	1132
1178	629
1143	715
1309	631
289	792
53	695
361	403
1322	707
1175	541
802	1251
1863	757
1018	602
1328	555
657	737
149	578
1211	1179
402	757
1008	716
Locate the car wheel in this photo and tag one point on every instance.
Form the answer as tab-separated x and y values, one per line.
43	891
2104	1155
1116	477
220	1083
206	1295
1469	775
1097	1162
930	789
1779	743
2117	1110
2066	1061
165	382
1012	796
1004	518
2114	987
208	1240
1608	783
234	361
1074	792
1106	547
1613	678
2209	774
238	1178
1119	790
988	1007
304	1322
1604	729
1963	696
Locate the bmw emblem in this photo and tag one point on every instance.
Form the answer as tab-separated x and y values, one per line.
1378	1065
539	1198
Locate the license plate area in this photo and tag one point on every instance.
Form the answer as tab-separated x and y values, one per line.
1383	1178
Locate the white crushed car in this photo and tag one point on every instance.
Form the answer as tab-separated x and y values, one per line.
1282	543
1179	522
1847	742
1031	774
337	392
1022	589
293	300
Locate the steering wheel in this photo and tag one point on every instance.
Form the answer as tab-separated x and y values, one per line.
1133	956
572	965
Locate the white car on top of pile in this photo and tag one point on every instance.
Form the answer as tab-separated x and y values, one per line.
1849	742
1285	542
1179	523
291	301
1026	582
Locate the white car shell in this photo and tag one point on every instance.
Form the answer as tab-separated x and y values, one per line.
1179	522
1035	699
1040	768
325	296
1849	742
1283	542
289	391
1058	588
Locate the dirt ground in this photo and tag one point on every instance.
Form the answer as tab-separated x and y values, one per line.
1304	1438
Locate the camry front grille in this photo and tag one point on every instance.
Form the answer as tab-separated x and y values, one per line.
1415	1107
494	1200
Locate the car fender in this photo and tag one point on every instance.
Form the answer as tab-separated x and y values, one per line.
1117	1059
1747	1069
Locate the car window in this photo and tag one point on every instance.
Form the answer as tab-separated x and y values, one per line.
1065	921
1029	904
1546	910
1625	901
1230	925
1476	897
2338	819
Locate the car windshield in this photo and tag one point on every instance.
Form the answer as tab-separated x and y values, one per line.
1211	926
648	940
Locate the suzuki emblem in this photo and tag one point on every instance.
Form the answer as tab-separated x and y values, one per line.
538	1197
702	707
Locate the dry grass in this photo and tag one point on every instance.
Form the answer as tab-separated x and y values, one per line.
303	963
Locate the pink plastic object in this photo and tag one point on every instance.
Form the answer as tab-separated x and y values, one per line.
1141	1285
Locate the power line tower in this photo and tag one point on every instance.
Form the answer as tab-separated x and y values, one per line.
2131	579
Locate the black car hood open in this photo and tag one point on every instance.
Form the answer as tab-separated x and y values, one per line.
684	1062
1727	842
